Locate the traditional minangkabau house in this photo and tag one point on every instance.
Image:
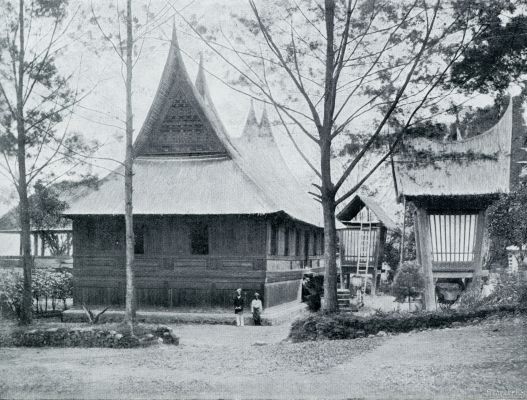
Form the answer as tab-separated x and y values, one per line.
451	185
361	241
209	216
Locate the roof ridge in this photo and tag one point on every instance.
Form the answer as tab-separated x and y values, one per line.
488	132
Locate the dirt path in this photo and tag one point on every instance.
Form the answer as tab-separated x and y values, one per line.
485	361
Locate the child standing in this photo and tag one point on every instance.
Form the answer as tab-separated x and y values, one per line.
256	309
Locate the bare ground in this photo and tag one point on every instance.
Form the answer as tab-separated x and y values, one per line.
214	361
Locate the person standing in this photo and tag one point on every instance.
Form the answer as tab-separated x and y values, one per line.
238	307
256	309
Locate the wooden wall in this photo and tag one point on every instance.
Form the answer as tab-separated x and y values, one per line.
169	275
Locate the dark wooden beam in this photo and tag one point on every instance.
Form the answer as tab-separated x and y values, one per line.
425	250
478	244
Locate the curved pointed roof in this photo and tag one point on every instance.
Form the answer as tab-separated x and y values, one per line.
480	165
265	125
251	126
180	119
186	164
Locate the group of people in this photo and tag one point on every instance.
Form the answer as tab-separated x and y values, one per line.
256	308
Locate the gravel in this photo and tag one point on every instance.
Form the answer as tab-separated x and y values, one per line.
256	362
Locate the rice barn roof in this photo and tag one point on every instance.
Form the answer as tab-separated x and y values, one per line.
186	164
358	202
477	166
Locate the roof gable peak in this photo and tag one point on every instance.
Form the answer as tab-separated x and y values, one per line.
181	120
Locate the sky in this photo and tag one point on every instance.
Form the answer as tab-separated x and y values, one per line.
98	71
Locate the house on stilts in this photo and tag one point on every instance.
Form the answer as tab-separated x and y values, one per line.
451	185
210	213
362	239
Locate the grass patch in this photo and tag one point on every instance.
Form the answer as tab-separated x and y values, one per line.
321	326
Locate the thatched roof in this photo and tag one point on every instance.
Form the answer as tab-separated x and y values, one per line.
477	166
358	202
185	163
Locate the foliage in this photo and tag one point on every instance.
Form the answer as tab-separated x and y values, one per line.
509	289
507	220
93	337
48	285
11	289
496	59
392	247
408	282
322	326
93	318
47	98
35	99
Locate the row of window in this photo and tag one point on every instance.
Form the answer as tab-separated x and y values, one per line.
286	241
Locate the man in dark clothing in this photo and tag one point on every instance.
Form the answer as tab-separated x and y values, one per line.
238	307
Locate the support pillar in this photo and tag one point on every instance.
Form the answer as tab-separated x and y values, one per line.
425	252
478	245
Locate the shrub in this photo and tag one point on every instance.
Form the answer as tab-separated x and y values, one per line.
56	286
509	289
77	337
11	289
347	326
408	282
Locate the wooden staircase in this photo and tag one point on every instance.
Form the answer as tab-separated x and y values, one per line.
343	299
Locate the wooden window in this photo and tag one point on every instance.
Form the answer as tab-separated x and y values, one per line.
297	242
287	234
274	240
139	239
199	238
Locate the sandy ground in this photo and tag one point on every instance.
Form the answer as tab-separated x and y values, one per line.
486	361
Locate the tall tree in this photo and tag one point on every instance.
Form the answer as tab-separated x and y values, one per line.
128	49
35	101
346	66
128	173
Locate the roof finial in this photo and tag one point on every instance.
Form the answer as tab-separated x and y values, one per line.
251	124
265	125
174	41
201	83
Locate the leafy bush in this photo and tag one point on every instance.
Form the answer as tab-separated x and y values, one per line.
77	337
408	282
11	288
56	286
321	326
509	289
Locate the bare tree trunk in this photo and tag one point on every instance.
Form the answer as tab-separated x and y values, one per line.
23	208
328	192
330	255
330	230
128	184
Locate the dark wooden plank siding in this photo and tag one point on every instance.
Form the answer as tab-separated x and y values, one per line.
169	275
